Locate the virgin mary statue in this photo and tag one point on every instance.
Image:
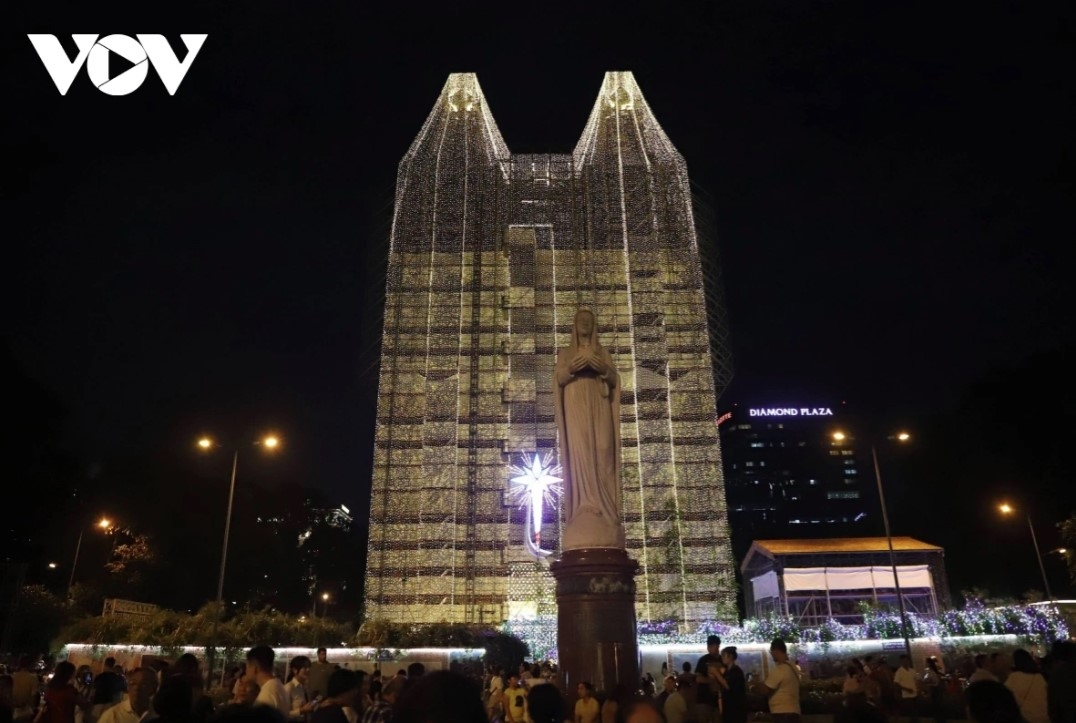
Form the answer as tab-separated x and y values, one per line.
586	394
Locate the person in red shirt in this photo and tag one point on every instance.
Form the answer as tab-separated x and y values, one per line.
61	697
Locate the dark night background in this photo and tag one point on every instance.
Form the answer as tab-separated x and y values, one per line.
893	193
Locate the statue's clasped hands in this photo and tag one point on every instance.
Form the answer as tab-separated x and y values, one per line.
583	360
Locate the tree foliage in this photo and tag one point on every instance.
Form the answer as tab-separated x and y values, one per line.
502	649
37	615
1068	536
208	628
129	557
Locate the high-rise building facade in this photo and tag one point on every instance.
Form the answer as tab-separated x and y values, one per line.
491	254
794	471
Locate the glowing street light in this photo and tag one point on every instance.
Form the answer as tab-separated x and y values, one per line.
325	599
1006	509
838	436
52	566
270	442
904	437
105	524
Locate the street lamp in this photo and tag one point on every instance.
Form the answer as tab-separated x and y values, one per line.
1006	509
206	443
900	437
104	524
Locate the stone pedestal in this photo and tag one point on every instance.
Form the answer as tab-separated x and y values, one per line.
596	632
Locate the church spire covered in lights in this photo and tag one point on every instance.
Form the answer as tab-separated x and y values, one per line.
491	254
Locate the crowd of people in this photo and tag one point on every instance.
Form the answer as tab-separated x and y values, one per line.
1000	689
1036	690
715	689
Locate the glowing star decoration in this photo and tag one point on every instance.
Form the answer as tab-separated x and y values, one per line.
534	487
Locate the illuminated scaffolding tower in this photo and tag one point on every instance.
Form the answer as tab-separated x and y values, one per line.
491	254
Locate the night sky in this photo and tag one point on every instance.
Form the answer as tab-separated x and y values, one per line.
892	185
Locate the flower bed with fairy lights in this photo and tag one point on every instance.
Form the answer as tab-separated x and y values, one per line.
1040	624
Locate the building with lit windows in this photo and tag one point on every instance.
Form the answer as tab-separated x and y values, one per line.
491	254
787	476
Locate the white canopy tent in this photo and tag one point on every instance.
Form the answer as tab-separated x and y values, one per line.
801	590
855	578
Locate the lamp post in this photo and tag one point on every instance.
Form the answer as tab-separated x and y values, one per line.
900	437
1006	509
104	523
270	442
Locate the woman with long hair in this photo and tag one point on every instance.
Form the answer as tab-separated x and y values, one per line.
61	697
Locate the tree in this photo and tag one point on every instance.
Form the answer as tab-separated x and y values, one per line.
130	564
38	617
1033	595
86	599
1068	537
981	597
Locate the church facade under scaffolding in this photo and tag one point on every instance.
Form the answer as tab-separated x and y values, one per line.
491	253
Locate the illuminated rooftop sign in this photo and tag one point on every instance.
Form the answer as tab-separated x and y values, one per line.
791	412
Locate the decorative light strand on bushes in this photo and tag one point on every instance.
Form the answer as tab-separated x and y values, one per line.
1043	623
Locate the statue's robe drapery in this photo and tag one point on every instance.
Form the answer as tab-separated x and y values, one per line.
587	412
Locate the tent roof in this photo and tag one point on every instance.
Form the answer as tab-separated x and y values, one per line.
837	545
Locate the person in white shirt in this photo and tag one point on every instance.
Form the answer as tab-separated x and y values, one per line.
908	684
982	672
675	707
496	693
536	677
1029	687
782	685
260	660
296	686
868	664
141	685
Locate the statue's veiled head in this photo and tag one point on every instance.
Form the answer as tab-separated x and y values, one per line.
585	326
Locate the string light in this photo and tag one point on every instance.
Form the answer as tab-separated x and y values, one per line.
490	255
